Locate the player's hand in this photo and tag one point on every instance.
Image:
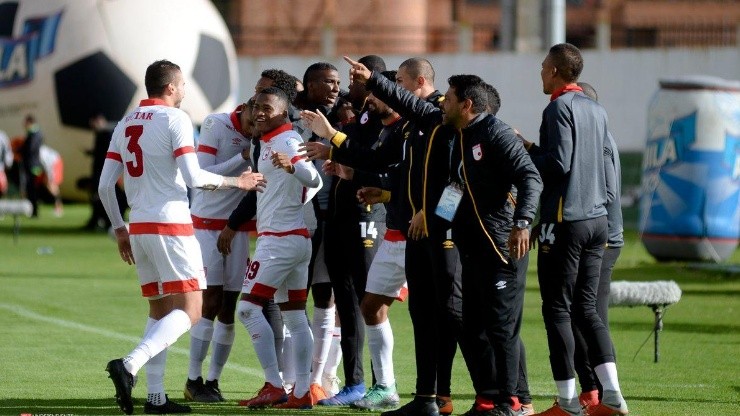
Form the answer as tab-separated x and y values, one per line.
358	72
535	235
251	181
318	123
329	168
282	161
518	242
344	172
416	227
224	240
124	245
369	195
315	150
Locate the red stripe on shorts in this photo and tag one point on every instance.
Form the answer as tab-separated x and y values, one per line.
150	289
301	231
180	286
394	235
215	224
403	295
161	228
262	291
297	295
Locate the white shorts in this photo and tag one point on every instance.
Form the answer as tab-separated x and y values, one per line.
168	264
235	264
279	268
387	275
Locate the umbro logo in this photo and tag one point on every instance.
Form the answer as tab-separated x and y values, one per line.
501	284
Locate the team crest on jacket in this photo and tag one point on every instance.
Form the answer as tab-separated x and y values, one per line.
477	152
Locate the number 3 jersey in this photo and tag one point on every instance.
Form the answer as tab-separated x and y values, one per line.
154	144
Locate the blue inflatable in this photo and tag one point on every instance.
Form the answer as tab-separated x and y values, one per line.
690	196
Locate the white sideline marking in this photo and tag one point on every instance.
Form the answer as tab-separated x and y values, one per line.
26	313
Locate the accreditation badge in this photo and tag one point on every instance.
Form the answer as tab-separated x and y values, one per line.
448	202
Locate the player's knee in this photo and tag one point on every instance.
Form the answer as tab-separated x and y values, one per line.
295	320
247	312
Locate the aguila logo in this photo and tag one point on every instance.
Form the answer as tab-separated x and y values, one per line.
19	55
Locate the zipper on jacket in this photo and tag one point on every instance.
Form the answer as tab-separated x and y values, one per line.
472	199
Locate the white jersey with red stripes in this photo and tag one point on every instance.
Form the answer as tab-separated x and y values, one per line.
219	151
280	207
148	142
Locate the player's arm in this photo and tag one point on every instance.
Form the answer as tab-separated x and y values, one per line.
293	161
112	170
553	160
610	171
208	148
195	177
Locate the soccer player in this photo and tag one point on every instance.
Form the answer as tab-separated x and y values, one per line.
591	389
573	231
223	148
279	269
386	279
153	148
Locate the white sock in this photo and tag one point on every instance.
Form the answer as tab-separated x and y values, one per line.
200	337
607	374
322	328
263	339
380	343
566	388
223	339
297	323
335	353
288	357
161	335
155	371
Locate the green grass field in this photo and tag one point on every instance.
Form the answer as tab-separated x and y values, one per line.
68	305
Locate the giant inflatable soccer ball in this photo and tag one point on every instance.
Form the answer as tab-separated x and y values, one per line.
66	61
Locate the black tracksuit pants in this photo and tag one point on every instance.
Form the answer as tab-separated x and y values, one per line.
348	257
569	265
586	377
433	274
493	298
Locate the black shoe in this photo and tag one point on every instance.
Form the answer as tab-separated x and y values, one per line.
196	391
211	386
123	382
168	407
496	411
420	406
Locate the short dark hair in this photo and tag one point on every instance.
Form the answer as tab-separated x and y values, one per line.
158	75
391	75
373	63
568	61
279	93
494	99
30	118
282	80
470	87
310	74
419	67
589	90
